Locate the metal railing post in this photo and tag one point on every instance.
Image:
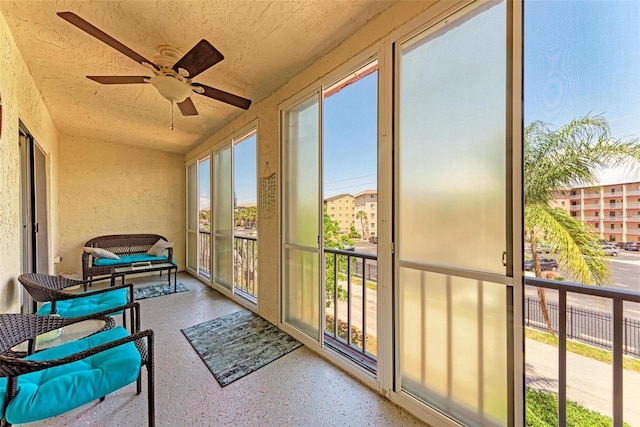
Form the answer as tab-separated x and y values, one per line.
562	361
617	362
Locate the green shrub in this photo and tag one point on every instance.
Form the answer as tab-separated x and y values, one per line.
542	411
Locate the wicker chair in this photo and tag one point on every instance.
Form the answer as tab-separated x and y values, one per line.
47	289
56	380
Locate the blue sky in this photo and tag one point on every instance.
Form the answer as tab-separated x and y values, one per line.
583	57
350	138
245	173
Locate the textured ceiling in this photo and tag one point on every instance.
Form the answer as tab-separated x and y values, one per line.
265	43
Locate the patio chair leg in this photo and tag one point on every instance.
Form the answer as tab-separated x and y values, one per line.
102	398
150	384
139	382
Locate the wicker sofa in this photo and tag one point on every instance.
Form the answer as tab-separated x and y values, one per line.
130	247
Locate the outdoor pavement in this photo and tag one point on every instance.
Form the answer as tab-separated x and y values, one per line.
589	382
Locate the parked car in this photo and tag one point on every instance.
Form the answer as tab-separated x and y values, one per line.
545	263
631	246
545	248
373	239
610	250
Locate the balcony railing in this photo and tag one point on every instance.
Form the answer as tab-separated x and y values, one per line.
587	326
351	302
591	195
245	263
204	253
617	299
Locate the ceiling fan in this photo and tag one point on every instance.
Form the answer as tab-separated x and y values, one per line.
174	82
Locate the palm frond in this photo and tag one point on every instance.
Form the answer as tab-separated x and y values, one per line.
578	253
572	155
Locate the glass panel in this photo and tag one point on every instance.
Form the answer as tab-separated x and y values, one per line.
300	222
222	218
192	217
302	174
301	292
222	256
245	231
453	345
192	197
452	212
192	250
245	180
350	166
222	191
204	217
452	144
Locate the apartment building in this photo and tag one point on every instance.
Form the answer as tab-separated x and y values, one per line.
367	202
340	208
612	210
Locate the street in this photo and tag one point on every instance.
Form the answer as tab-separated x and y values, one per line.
625	272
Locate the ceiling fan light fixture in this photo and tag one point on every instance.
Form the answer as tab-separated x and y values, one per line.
171	88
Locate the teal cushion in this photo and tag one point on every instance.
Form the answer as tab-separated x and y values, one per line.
128	259
77	307
53	391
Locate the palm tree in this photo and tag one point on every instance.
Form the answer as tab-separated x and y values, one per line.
556	159
362	216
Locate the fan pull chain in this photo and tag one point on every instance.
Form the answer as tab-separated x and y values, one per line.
172	115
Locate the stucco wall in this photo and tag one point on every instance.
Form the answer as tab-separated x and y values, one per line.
21	100
269	145
108	188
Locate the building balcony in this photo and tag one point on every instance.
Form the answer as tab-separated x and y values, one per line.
591	196
607	195
591	206
574	207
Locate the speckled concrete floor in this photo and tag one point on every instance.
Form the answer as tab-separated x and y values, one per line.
299	389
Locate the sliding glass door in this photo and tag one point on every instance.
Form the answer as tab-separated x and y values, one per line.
222	221
454	296
199	218
301	215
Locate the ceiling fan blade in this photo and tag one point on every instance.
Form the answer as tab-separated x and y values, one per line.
226	97
187	108
202	56
74	19
118	80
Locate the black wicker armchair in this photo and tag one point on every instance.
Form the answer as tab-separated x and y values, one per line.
48	290
56	380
